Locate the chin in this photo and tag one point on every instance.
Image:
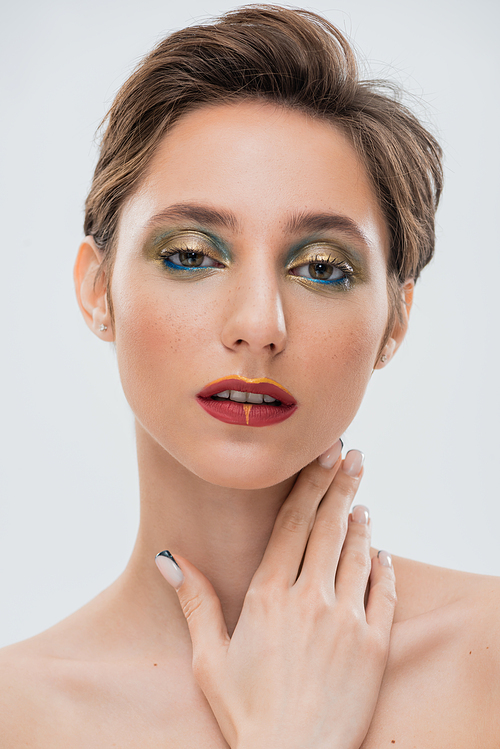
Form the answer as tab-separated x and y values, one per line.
241	479
241	473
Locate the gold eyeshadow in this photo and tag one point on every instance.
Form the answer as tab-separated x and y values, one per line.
201	244
323	252
187	240
163	246
327	252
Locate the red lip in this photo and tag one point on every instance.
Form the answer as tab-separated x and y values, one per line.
262	385
247	414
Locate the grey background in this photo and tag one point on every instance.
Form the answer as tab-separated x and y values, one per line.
428	426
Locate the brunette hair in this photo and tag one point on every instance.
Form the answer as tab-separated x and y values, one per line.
294	58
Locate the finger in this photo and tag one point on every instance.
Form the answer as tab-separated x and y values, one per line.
382	596
295	519
330	526
354	565
200	605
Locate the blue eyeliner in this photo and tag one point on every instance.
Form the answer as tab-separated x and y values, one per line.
203	235
309	252
169	264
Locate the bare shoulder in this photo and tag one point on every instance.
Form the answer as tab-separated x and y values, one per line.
73	685
38	678
25	692
423	588
447	642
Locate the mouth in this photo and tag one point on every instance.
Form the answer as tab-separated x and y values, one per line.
247	402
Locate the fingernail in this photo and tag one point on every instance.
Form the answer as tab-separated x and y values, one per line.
360	514
385	558
353	463
330	457
169	569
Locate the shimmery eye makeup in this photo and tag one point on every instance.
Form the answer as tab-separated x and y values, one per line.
188	259
315	264
188	253
320	265
326	270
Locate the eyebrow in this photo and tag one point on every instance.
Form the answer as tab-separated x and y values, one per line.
198	213
298	222
316	222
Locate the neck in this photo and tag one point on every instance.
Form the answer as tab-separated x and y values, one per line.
222	531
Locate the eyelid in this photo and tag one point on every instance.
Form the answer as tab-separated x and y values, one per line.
166	254
327	259
183	240
327	252
171	242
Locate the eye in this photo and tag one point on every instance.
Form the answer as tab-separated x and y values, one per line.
320	271
189	259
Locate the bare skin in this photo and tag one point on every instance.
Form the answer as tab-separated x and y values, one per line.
119	671
92	680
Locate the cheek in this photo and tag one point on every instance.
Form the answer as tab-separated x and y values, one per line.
167	346
337	361
158	341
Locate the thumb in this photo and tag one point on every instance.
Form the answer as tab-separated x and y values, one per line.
200	605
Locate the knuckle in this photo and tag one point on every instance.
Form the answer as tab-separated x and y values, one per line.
313	480
264	594
191	605
346	485
328	524
294	520
390	596
332	525
355	618
355	558
360	530
386	591
253	596
319	600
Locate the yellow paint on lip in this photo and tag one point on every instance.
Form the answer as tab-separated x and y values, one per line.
247	407
248	379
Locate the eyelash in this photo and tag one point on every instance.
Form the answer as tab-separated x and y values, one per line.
340	265
336	264
166	256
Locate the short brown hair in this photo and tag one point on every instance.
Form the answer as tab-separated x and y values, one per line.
294	58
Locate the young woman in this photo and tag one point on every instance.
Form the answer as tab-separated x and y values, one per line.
256	224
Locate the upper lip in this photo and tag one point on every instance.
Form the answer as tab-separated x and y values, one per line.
262	385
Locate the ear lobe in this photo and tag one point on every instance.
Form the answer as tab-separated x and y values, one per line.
91	287
400	327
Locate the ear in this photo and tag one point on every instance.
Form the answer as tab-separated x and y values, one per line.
91	287
400	327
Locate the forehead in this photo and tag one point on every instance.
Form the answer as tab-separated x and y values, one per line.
262	164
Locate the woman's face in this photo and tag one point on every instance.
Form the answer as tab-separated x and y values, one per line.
255	247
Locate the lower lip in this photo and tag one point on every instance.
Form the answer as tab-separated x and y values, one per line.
258	415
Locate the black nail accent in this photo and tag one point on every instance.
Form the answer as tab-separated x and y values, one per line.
341	442
167	554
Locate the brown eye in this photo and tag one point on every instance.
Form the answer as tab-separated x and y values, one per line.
191	259
319	272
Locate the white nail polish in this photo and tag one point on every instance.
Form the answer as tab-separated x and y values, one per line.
360	514
169	569
330	457
353	463
384	558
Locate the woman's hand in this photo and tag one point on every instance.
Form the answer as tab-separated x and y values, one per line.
304	665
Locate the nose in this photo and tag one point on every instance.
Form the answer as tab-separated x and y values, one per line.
254	318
